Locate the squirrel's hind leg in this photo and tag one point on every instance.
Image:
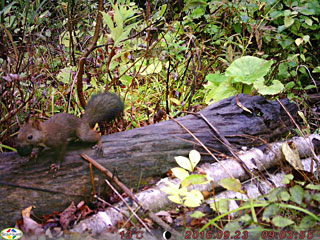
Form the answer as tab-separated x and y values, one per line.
86	134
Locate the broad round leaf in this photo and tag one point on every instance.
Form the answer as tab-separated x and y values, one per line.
224	90
193	198
194	157
192	202
180	173
197	214
248	69
280	221
231	184
307	222
220	205
184	162
275	88
175	199
194	179
297	194
216	78
298	41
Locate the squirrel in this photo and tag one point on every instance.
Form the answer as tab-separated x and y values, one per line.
60	129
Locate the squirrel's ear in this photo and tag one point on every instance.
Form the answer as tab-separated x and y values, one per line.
35	124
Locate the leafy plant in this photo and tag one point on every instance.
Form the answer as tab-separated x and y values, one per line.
179	193
243	76
119	20
276	207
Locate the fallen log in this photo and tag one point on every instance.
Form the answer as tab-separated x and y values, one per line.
257	159
139	153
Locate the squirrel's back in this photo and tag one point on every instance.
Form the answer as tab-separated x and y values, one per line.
103	107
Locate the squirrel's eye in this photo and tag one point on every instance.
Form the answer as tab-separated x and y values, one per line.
29	137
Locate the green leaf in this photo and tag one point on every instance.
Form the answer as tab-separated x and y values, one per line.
65	75
244	17
298	41
172	189
280	221
194	4
117	16
308	12
246	219
220	205
175	198
232	227
313	187
316	69
216	78
308	21
180	173
194	157
274	193
183	191
194	179
193	198
175	101
269	212
288	21
309	87
197	214
285	196
283	71
126	80
297	194
316	197
275	88
163	9
231	184
152	68
287	13
276	14
290	85
248	69
307	222
304	120
287	178
306	38
224	90
108	19
184	162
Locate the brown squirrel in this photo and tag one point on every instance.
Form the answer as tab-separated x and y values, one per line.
60	129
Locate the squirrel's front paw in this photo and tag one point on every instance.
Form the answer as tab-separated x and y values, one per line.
54	168
99	151
34	156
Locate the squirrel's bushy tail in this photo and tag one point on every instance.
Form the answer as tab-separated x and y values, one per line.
103	107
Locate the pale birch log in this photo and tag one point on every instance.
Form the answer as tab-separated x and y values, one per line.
155	199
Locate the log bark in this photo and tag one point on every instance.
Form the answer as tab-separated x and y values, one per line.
137	153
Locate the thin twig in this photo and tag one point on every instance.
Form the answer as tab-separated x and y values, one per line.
125	202
117	209
202	145
229	146
92	180
154	217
